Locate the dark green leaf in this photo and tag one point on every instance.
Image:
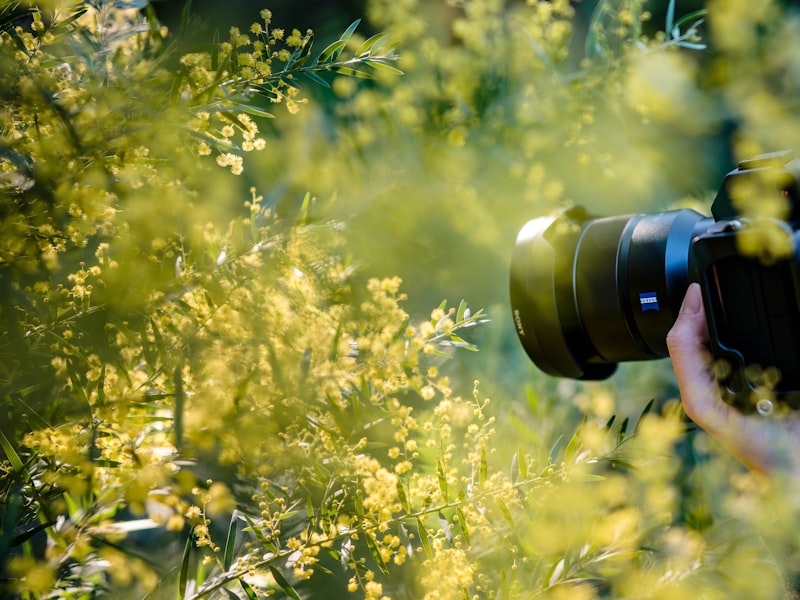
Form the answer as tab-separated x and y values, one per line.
316	78
249	591
373	549
183	576
185	16
26	535
648	407
13	457
230	542
283	584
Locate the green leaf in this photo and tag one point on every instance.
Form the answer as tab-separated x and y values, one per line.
442	479
258	532
523	465
373	548
462	309
401	494
316	78
572	446
351	72
183	576
283	584
249	591
331	52
462	521
26	535
230	542
380	65
185	16
350	30
645	411
256	111
669	26
13	457
692	16
424	539
448	531
215	51
556	448
369	44
504	510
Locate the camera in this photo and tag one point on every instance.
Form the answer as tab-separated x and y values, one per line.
589	292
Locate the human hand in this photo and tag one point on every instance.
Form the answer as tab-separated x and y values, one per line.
765	445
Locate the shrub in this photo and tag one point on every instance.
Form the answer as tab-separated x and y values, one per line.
217	390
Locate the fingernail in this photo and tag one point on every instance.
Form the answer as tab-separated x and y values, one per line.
692	302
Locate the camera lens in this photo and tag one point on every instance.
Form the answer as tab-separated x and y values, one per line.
587	293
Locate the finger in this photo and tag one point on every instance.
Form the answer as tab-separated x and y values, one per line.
746	438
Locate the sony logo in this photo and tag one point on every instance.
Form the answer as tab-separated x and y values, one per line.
518	321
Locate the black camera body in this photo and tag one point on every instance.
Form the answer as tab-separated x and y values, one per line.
587	293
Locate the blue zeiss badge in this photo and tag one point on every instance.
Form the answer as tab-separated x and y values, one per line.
648	301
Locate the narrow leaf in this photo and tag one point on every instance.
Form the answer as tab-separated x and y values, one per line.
446	529
350	30
669	26
462	521
256	111
12	455
423	538
573	445
249	591
183	576
401	494
506	513
462	308
645	412
370	43
230	542
185	15
327	55
442	479
283	584
351	72
380	65
316	78
373	548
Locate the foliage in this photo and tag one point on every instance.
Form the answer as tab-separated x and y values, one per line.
212	398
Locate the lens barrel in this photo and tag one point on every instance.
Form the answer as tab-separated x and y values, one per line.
587	293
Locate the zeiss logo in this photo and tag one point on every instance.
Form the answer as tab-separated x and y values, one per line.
648	301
